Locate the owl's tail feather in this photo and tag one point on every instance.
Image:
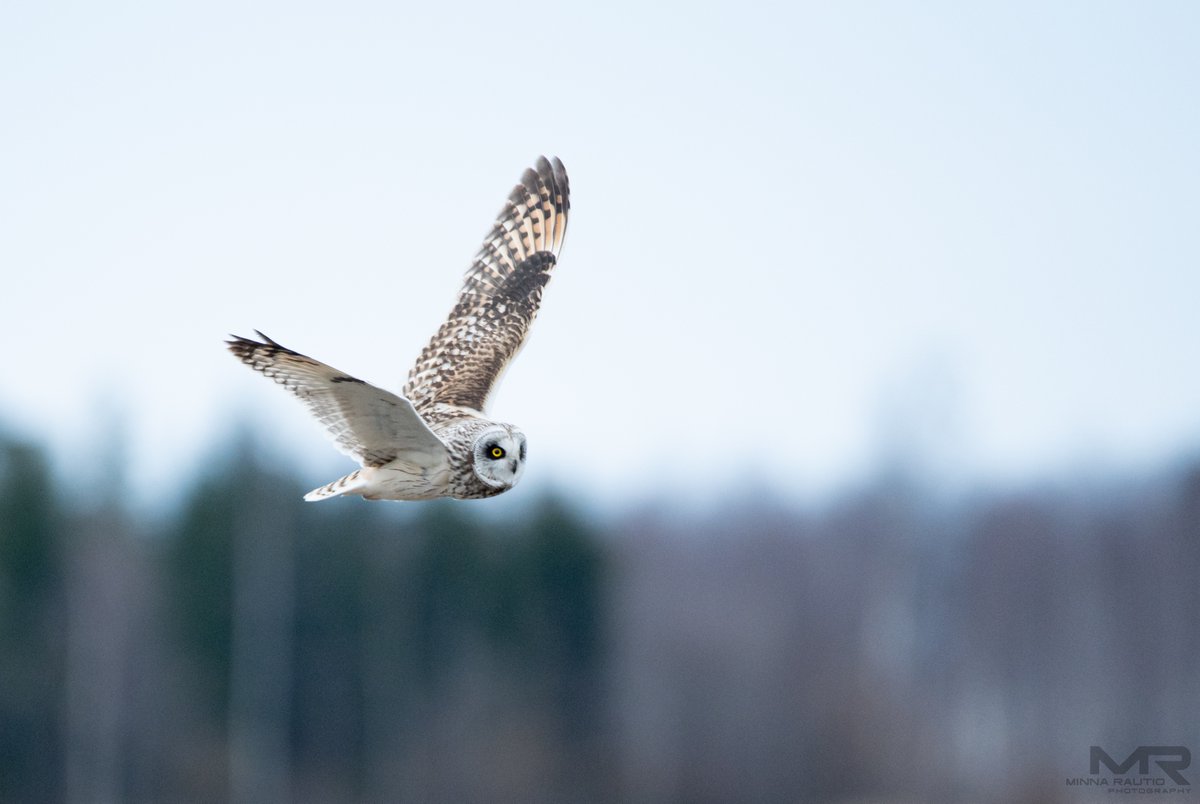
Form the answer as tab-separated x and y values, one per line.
352	483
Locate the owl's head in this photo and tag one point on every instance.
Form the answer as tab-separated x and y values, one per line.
500	456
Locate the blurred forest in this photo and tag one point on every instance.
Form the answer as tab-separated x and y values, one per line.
887	645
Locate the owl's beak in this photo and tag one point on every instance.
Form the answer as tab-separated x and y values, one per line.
513	465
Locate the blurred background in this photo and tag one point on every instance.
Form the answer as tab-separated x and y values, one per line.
863	408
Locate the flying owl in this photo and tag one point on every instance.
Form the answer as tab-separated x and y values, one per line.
435	440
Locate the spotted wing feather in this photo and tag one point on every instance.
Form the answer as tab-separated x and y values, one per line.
499	299
369	424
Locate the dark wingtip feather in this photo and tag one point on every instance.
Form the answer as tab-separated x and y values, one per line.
530	181
242	349
245	349
561	182
237	344
554	175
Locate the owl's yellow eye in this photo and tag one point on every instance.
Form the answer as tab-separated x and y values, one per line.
497	452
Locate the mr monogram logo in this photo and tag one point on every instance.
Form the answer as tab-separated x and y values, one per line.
1135	772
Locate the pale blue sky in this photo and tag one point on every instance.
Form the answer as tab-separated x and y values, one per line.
794	225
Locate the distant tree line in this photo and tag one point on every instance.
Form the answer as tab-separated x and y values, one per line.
251	647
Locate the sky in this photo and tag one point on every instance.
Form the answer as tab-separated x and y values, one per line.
804	236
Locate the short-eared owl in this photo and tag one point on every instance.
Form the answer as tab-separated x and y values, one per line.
435	440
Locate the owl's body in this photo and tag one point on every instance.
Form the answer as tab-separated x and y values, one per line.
436	440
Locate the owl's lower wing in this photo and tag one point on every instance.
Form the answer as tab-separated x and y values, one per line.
465	360
369	424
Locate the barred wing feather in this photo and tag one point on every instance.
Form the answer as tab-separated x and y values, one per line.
499	299
369	424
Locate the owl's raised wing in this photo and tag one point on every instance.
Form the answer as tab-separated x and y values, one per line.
499	299
369	424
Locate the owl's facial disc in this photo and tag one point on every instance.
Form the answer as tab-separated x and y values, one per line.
500	456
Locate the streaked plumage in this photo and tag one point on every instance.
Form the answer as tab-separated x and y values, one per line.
435	440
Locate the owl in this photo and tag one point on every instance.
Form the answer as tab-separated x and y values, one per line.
435	439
